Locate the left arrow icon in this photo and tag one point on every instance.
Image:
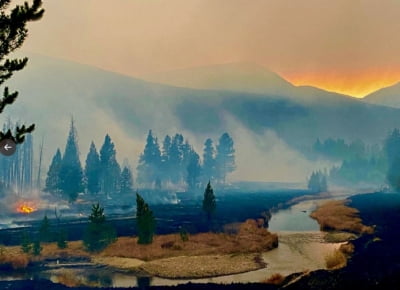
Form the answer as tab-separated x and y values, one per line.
7	147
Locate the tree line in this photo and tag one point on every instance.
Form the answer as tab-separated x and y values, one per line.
175	165
178	164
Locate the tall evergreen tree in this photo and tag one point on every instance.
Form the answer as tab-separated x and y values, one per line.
193	170
392	150
165	159
209	202
92	170
225	159
44	230
176	158
71	175
145	221
13	33
99	234
110	169
126	182
53	175
318	182
208	170
149	167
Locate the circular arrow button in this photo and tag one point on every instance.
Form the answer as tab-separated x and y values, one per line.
7	147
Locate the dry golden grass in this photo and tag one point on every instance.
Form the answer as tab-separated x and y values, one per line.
336	260
347	249
74	249
14	257
202	266
336	215
249	239
275	279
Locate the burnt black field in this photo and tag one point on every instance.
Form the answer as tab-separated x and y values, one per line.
232	206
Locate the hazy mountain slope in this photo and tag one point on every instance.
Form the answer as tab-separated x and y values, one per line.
104	102
240	77
389	96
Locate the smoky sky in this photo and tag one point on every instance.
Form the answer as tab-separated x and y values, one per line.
301	40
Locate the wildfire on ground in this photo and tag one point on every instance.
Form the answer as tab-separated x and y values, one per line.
26	207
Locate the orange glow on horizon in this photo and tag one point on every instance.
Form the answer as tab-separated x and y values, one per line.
357	84
26	208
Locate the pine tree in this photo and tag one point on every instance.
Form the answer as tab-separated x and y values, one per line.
193	170
62	239
126	181
110	169
317	182
98	233
209	202
36	248
145	221
26	243
208	170
92	170
53	175
165	159
225	159
176	159
71	175
149	167
13	33
44	230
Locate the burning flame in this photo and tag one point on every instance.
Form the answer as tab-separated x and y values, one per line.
26	208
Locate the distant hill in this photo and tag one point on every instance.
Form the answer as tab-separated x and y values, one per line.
389	96
238	77
101	102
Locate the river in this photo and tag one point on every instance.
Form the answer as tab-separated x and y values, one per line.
301	248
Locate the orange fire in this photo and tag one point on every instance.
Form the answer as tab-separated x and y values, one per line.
26	208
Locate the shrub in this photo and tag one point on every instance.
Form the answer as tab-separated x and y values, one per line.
275	279
184	235
19	262
335	260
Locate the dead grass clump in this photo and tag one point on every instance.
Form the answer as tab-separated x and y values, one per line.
14	258
75	249
69	279
251	237
347	249
336	215
19	262
276	279
335	260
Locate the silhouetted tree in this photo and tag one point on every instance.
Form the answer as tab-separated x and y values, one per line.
318	182
193	170
36	248
62	239
208	170
392	150
176	158
110	169
98	233
13	33
53	174
209	202
126	183
44	230
71	175
225	159
149	167
26	243
165	159
145	221
93	170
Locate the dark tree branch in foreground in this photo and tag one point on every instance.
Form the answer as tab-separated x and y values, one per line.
13	33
